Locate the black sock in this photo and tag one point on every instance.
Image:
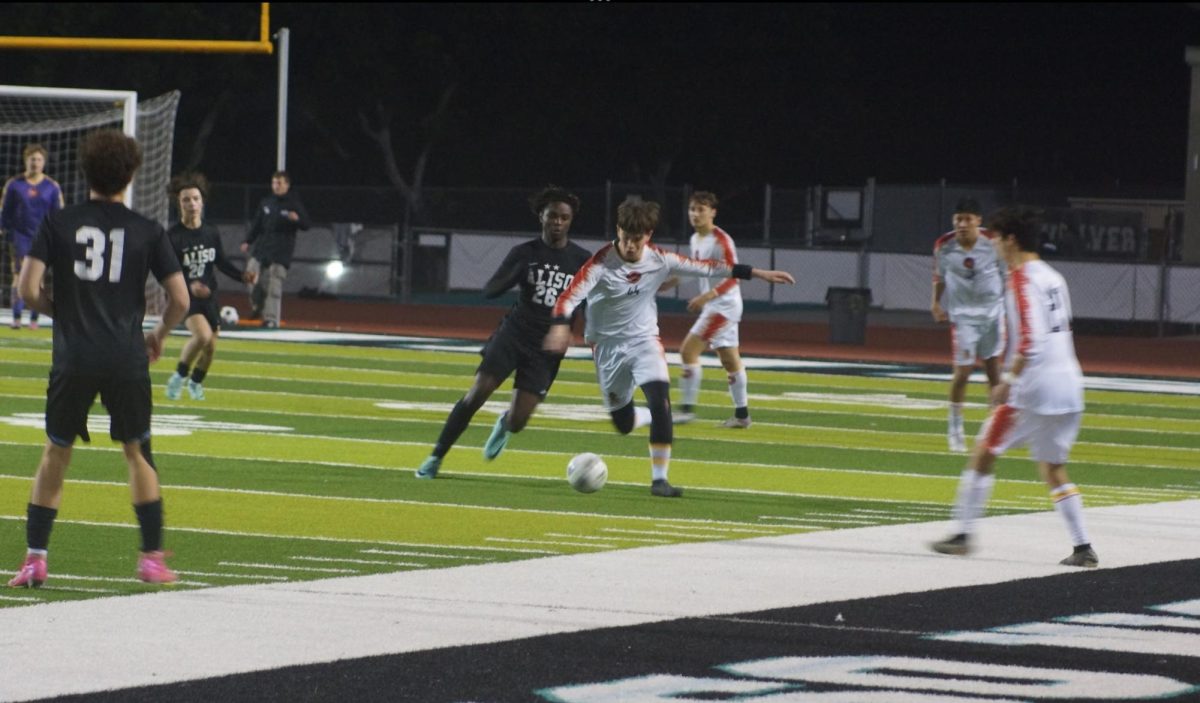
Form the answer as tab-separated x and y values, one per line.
1083	547
685	408
182	369
198	374
150	519
458	420
38	525
741	413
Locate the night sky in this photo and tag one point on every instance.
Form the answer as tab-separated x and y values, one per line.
718	96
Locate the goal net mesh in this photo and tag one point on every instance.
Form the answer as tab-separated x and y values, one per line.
58	124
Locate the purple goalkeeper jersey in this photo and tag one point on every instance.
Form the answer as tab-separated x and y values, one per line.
25	205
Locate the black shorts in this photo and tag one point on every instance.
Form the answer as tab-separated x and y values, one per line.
69	400
507	351
209	308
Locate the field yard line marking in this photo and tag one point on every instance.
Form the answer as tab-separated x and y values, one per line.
449	556
547	541
232	575
282	567
359	561
345	540
78	589
609	539
20	598
744	530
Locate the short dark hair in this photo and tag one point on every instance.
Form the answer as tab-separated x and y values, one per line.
553	194
188	179
109	159
284	175
1021	223
638	216
968	206
704	197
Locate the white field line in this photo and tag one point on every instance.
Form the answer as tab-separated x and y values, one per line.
552	543
267	535
726	530
20	598
608	540
341	560
113	579
672	532
283	567
231	575
77	589
439	556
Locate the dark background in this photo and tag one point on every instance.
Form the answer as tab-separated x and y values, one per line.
720	96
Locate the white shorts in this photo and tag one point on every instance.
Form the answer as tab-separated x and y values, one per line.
622	366
718	330
1049	437
972	340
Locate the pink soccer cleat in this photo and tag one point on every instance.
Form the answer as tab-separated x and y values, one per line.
32	573
152	568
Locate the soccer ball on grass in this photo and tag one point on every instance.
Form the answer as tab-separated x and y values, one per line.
229	316
587	472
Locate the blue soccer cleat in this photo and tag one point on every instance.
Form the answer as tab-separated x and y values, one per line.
429	467
498	439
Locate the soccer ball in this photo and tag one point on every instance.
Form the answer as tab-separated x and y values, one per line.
229	316
587	472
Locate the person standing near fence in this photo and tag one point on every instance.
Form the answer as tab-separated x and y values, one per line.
967	270
270	242
1038	401
720	308
28	198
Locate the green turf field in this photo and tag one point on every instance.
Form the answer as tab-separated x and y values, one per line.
299	466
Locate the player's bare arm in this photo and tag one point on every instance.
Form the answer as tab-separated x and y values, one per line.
557	339
935	305
669	284
772	276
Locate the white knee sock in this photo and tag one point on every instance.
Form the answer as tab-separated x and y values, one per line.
660	460
955	426
974	490
1068	502
689	384
737	389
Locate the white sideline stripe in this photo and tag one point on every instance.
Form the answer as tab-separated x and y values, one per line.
450	556
551	543
76	589
339	560
20	598
610	539
743	530
82	645
230	575
319	569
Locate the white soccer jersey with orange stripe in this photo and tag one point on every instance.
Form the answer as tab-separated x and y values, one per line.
621	295
1039	319
719	246
974	278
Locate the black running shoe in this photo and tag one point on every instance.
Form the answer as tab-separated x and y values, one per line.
662	489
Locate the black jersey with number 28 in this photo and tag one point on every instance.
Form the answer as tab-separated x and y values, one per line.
99	254
200	251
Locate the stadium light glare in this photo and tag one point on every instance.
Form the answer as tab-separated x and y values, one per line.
334	270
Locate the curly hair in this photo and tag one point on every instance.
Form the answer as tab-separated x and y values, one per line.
109	159
189	179
553	194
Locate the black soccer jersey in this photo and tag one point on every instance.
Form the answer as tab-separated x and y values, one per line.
199	251
543	273
100	254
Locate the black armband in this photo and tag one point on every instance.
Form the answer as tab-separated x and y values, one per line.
743	271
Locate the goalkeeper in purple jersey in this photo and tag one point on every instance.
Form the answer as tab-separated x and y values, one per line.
26	201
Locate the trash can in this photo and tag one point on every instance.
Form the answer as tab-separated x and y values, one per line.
848	314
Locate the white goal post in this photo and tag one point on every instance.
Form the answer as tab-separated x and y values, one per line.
57	118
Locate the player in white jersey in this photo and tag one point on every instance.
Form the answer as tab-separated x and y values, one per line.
1039	400
967	269
720	308
619	283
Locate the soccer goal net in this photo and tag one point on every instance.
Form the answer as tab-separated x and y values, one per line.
57	118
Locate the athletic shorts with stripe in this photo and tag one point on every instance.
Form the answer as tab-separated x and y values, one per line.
1049	437
625	365
718	330
971	340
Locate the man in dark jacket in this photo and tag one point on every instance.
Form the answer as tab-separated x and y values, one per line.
270	242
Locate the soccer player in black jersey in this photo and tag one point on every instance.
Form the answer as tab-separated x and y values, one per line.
198	246
100	253
542	268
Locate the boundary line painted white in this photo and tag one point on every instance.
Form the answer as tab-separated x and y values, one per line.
83	646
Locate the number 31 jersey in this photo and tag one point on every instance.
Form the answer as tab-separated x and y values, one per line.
99	254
